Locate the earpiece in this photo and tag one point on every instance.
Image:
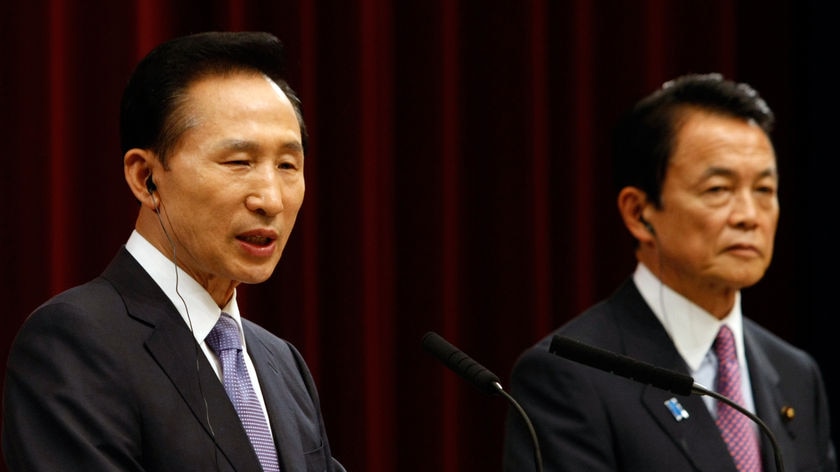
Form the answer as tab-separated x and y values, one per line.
648	226
150	184
152	188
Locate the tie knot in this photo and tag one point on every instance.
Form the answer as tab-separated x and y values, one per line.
224	336
725	344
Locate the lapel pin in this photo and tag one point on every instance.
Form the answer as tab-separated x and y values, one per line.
787	413
677	410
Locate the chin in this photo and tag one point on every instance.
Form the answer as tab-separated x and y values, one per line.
255	276
744	280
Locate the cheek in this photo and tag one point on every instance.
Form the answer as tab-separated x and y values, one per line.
774	220
697	247
694	240
696	224
206	219
295	195
292	204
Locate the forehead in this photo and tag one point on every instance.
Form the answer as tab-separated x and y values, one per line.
708	140
239	105
234	87
236	98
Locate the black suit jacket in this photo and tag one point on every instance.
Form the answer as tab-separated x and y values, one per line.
589	420
108	377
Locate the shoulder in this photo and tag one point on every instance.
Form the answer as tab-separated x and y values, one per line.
87	304
779	352
606	322
259	338
263	335
96	300
622	323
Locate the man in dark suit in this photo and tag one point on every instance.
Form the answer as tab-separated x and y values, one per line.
697	188
122	373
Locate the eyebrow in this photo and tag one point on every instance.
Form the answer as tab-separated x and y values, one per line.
251	146
726	172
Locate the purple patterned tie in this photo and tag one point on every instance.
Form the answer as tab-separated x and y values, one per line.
224	341
736	429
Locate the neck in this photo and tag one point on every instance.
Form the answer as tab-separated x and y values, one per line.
717	299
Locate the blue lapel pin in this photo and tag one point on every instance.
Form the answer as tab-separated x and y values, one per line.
676	409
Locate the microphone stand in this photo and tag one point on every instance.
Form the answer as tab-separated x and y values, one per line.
531	431
701	390
479	376
649	374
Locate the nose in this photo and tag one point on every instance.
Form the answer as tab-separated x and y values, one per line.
744	210
266	198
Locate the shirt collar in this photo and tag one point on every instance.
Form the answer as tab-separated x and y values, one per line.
692	329
193	302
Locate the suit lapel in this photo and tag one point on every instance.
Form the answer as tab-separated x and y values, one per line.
646	340
768	399
696	436
278	400
174	349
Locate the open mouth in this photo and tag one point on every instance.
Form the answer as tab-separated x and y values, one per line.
256	240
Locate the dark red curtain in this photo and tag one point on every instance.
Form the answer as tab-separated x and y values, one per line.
458	180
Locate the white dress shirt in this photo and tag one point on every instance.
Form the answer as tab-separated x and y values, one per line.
693	331
193	302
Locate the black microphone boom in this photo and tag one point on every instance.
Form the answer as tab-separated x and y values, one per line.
623	366
461	363
479	376
645	373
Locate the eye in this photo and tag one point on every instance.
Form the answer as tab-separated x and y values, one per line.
766	189
716	189
290	162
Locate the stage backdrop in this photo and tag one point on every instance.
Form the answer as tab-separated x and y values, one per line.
458	181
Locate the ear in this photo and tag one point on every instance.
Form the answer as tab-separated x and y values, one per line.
138	165
632	203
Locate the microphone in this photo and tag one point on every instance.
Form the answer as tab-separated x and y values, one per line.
479	376
649	374
461	363
623	366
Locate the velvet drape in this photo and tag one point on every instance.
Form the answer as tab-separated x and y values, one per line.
458	180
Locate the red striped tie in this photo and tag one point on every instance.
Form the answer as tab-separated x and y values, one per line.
736	428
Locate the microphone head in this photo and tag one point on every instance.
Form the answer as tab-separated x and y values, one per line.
623	366
461	363
670	380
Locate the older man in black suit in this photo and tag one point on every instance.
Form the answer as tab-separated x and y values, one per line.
697	188
150	367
